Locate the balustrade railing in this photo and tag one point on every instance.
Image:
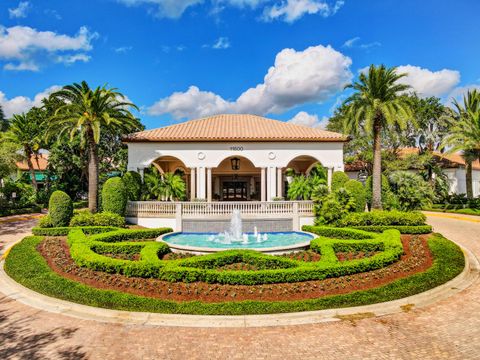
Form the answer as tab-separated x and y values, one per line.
211	209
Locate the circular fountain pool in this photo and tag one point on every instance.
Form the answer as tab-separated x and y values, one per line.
268	242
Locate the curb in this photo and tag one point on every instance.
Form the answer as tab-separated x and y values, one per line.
15	291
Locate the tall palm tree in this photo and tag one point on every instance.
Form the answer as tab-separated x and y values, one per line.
376	104
464	134
26	132
85	111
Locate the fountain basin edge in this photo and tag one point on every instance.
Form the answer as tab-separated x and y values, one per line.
277	250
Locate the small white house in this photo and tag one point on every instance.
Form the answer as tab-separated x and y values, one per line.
232	161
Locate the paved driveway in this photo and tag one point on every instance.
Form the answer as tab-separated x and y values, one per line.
450	329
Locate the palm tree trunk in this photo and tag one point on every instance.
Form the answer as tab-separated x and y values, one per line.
468	179
377	166
92	175
29	154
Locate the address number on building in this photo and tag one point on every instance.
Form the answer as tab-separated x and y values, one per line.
236	148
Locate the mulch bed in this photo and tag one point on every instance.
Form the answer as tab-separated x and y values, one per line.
417	258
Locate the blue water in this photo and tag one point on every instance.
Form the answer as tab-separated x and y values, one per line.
218	241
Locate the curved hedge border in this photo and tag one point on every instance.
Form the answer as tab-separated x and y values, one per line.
404	229
25	265
84	251
63	231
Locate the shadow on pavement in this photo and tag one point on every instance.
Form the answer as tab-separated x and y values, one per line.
18	340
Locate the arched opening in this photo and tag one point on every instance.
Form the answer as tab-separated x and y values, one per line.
303	165
172	165
236	179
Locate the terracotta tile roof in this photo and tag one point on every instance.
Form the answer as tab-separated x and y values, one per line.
235	127
39	163
457	159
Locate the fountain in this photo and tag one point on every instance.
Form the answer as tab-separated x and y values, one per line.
235	238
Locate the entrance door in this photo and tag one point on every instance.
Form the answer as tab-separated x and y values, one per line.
234	190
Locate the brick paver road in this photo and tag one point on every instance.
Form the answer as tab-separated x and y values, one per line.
449	329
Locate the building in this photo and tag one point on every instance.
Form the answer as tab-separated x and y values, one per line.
453	165
234	157
40	164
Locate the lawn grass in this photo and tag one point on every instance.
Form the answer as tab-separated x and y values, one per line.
25	265
465	211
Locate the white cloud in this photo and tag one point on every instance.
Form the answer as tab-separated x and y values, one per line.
459	92
297	77
20	104
292	10
53	13
24	44
21	66
354	43
221	43
429	83
193	101
123	49
165	8
310	120
20	11
71	59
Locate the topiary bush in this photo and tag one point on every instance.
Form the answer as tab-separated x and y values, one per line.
114	196
45	222
339	178
383	218
357	190
60	209
86	218
133	185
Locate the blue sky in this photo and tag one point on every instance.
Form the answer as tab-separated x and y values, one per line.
182	59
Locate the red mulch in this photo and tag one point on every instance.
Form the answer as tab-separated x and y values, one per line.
417	258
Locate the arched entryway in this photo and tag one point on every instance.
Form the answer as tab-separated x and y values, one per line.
304	165
172	164
236	179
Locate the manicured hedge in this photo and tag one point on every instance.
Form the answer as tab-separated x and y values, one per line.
114	196
86	218
20	211
339	178
60	208
63	231
383	218
404	229
357	190
133	185
25	265
204	268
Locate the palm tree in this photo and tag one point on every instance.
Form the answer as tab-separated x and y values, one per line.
86	112
464	135
26	132
173	187
376	104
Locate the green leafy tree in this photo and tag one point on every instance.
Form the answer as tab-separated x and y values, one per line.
168	186
4	124
173	187
303	187
464	134
377	103
26	131
87	112
8	156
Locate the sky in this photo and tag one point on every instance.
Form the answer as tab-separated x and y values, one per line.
184	59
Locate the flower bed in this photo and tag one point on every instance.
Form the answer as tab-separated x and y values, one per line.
27	266
87	252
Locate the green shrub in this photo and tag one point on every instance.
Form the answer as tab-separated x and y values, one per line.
60	208
82	204
339	178
411	191
133	185
45	222
114	196
333	206
383	218
357	190
63	231
108	219
404	229
86	218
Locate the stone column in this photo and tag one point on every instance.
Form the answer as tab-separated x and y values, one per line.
262	184
193	181
201	186
271	183
279	182
209	184
329	178
141	171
